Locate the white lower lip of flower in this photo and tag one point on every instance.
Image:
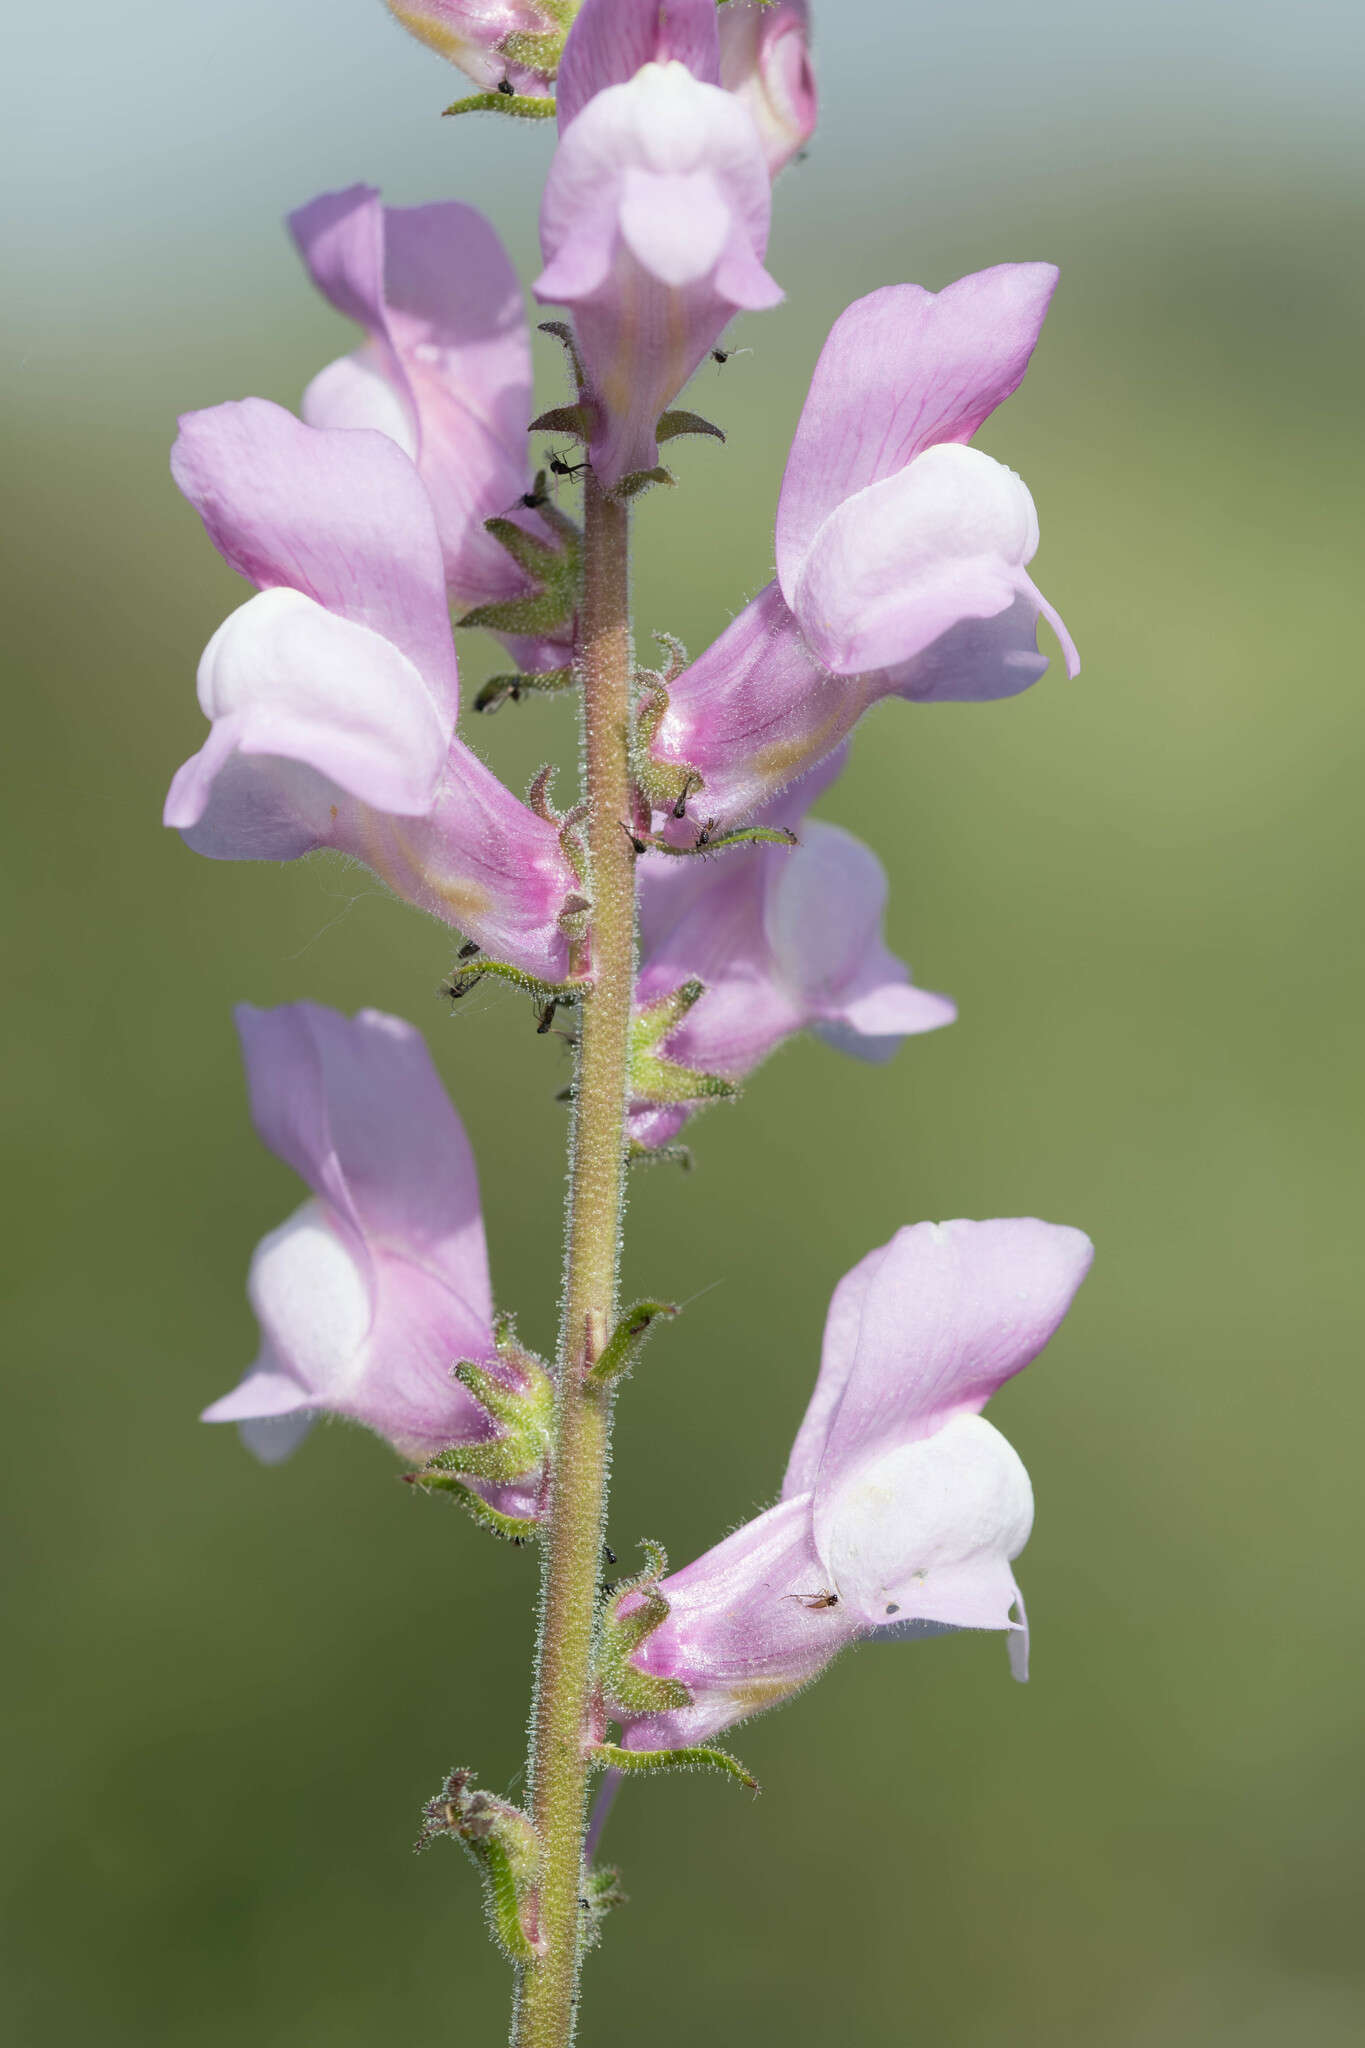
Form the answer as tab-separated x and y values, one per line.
313	1301
955	1499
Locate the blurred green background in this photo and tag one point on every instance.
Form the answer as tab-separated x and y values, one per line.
231	1689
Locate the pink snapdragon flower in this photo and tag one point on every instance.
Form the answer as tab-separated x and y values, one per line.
902	553
332	694
902	1508
765	59
370	1293
655	216
445	370
786	939
470	33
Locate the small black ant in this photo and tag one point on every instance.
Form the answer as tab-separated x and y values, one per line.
680	807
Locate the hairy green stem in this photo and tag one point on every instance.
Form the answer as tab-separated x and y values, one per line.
548	1983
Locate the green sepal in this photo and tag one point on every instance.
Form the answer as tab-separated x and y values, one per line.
469	972
562	332
541	52
514	1407
522	106
530	551
502	1842
657	1080
548	610
627	1340
543	681
739	835
565	419
653	1021
659	1155
539	615
674	423
627	1690
511	1528
533	52
524	1414
640	480
521	1401
666	1084
602	1892
610	1756
667	785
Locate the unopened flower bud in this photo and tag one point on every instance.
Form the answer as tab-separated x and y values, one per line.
489	39
765	61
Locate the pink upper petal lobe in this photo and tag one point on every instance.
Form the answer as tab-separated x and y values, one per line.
929	1326
341	517
355	1106
902	370
369	1293
612	39
447	369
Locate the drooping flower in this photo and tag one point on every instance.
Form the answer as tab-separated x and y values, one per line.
655	216
902	1508
785	939
333	692
445	371
902	553
765	59
372	1291
475	35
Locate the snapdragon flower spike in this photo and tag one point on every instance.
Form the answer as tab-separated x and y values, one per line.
655	215
784	939
333	692
371	1292
480	36
765	60
445	372
902	553
902	1508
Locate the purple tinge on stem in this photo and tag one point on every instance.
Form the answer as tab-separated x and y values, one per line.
902	553
445	370
785	939
370	1292
332	694
655	216
902	1509
765	60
